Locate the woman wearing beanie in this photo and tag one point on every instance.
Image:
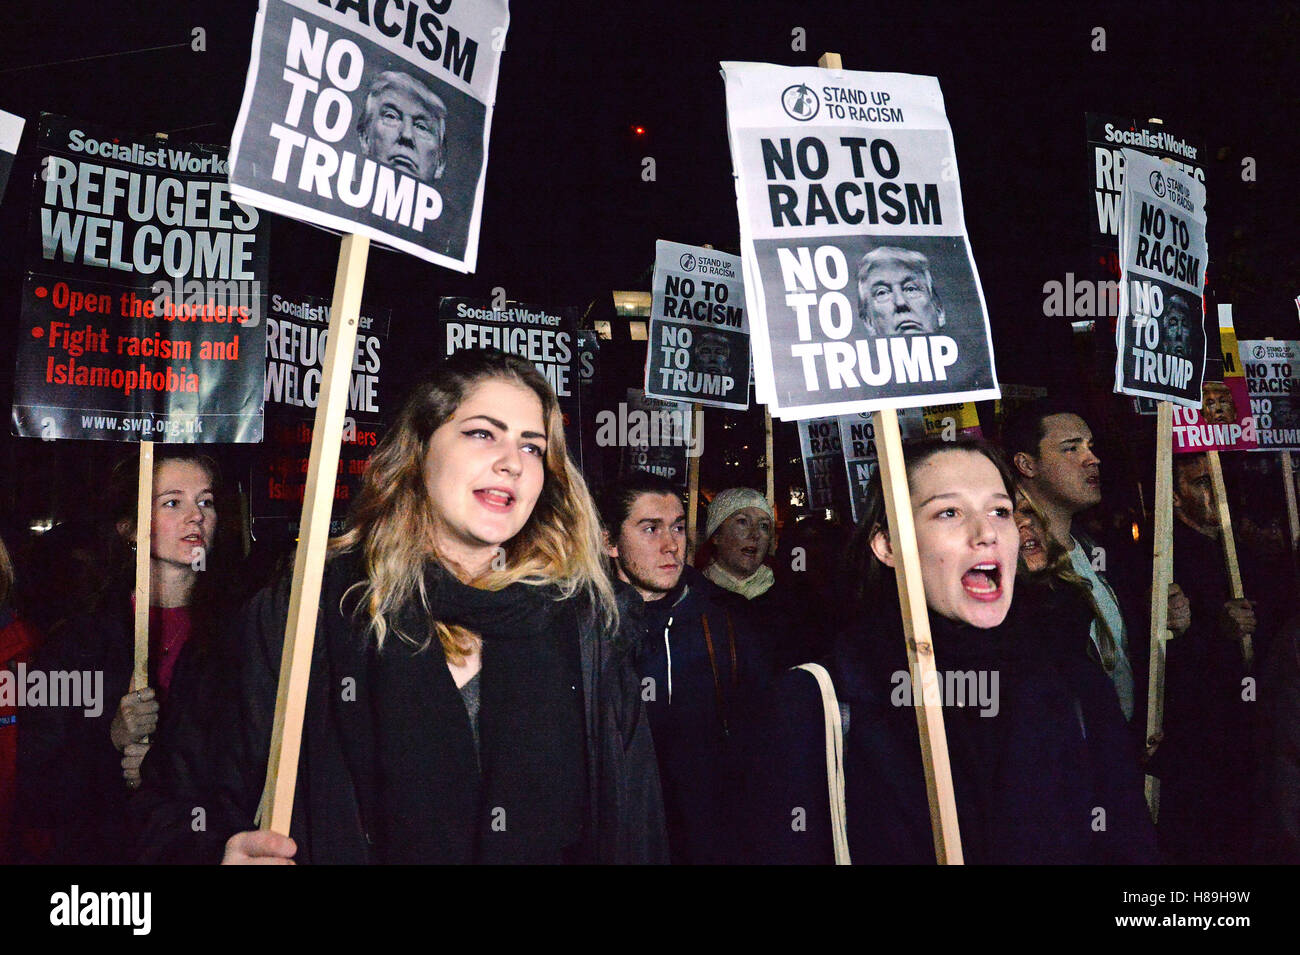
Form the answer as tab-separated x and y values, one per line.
740	534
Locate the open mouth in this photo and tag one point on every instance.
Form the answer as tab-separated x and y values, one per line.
908	327
495	499
983	581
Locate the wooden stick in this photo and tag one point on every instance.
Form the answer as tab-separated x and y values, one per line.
920	647
1293	516
693	481
1229	546
767	458
916	622
1162	574
313	536
143	550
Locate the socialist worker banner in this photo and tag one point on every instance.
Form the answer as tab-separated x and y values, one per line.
142	307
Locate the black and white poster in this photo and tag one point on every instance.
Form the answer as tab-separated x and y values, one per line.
1273	382
547	337
699	339
142	306
823	460
858	442
1108	137
373	119
11	133
654	435
861	287
297	333
1160	334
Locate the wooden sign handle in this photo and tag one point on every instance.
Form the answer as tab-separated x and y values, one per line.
768	459
693	481
313	536
920	646
1292	514
916	622
143	550
1162	574
1229	545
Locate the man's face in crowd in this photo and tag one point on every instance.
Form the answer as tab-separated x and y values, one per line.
1178	328
1066	472
895	299
651	545
1194	494
713	355
405	134
1217	406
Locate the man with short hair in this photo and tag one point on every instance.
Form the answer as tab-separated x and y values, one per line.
1051	449
1207	762
699	664
896	293
404	125
1217	405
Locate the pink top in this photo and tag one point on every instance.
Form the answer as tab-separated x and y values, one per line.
169	628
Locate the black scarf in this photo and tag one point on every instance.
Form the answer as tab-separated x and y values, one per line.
428	800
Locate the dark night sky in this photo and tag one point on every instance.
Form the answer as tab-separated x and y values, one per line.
567	216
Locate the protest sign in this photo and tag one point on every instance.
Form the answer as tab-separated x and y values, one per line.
11	133
858	441
590	461
1225	420
699	339
1273	385
859	281
823	455
655	435
373	122
296	338
142	307
1013	397
547	337
949	421
1160	335
1108	137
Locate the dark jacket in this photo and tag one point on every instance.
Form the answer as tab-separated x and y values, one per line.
1028	781
1207	762
69	773
216	757
694	706
1277	836
18	640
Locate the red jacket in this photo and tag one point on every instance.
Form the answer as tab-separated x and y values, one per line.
18	641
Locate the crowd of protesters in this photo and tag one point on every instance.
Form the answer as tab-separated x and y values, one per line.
510	669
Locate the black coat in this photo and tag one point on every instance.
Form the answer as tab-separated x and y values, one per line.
215	758
710	700
69	773
1028	781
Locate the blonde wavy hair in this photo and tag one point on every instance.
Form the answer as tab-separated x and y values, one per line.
392	521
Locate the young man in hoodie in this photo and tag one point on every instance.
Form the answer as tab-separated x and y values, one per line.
699	664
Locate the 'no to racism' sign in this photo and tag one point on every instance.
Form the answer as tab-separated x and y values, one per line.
861	287
699	339
1160	335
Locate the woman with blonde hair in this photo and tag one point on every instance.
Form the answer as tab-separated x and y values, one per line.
470	699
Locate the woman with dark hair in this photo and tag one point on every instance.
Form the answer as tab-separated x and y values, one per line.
472	698
78	763
1040	774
